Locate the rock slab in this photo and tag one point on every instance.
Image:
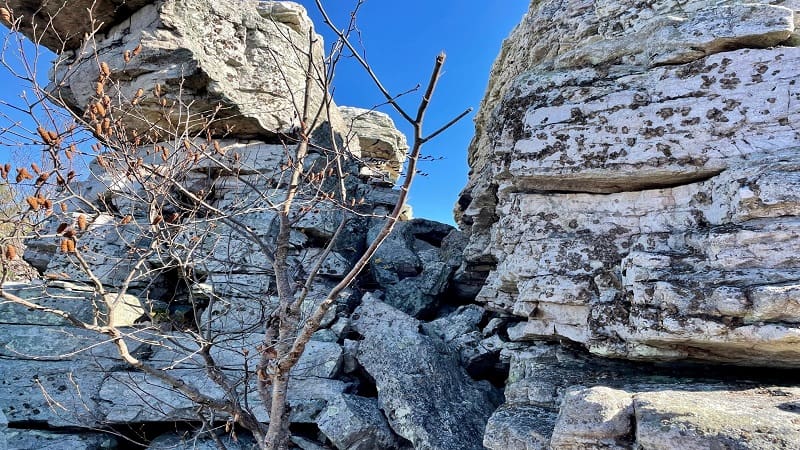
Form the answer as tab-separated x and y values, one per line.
426	395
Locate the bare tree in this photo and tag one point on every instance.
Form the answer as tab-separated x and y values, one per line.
182	196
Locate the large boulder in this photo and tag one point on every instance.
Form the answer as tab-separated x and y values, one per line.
426	395
666	419
62	25
383	147
356	423
414	264
233	63
558	397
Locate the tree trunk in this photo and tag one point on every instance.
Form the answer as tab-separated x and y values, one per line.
277	437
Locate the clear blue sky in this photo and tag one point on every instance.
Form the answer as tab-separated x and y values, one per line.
401	40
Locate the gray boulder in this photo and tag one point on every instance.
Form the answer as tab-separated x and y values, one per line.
383	147
679	417
204	54
762	419
414	265
3	430
427	396
356	423
190	441
519	427
69	20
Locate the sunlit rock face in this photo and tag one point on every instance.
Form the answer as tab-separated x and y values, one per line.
634	183
239	65
383	147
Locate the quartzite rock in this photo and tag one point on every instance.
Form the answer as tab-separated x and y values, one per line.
634	188
190	441
519	427
356	423
414	264
169	66
20	439
383	147
665	419
234	60
62	24
561	398
426	395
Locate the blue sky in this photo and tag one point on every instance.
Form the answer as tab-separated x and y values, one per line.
401	40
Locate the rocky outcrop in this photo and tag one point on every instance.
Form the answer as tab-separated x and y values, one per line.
211	95
633	194
414	265
562	397
233	65
383	148
633	189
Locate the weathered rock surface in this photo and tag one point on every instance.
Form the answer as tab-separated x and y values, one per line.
634	193
558	397
46	440
356	423
238	71
666	419
519	427
633	189
426	395
415	264
383	148
3	430
232	61
62	24
189	441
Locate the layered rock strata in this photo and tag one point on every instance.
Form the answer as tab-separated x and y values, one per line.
633	194
634	189
383	148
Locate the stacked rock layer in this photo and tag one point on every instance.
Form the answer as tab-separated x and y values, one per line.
634	194
634	186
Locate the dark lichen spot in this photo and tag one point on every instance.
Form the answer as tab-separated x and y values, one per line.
577	116
716	115
731	104
665	149
649	132
639	99
729	82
